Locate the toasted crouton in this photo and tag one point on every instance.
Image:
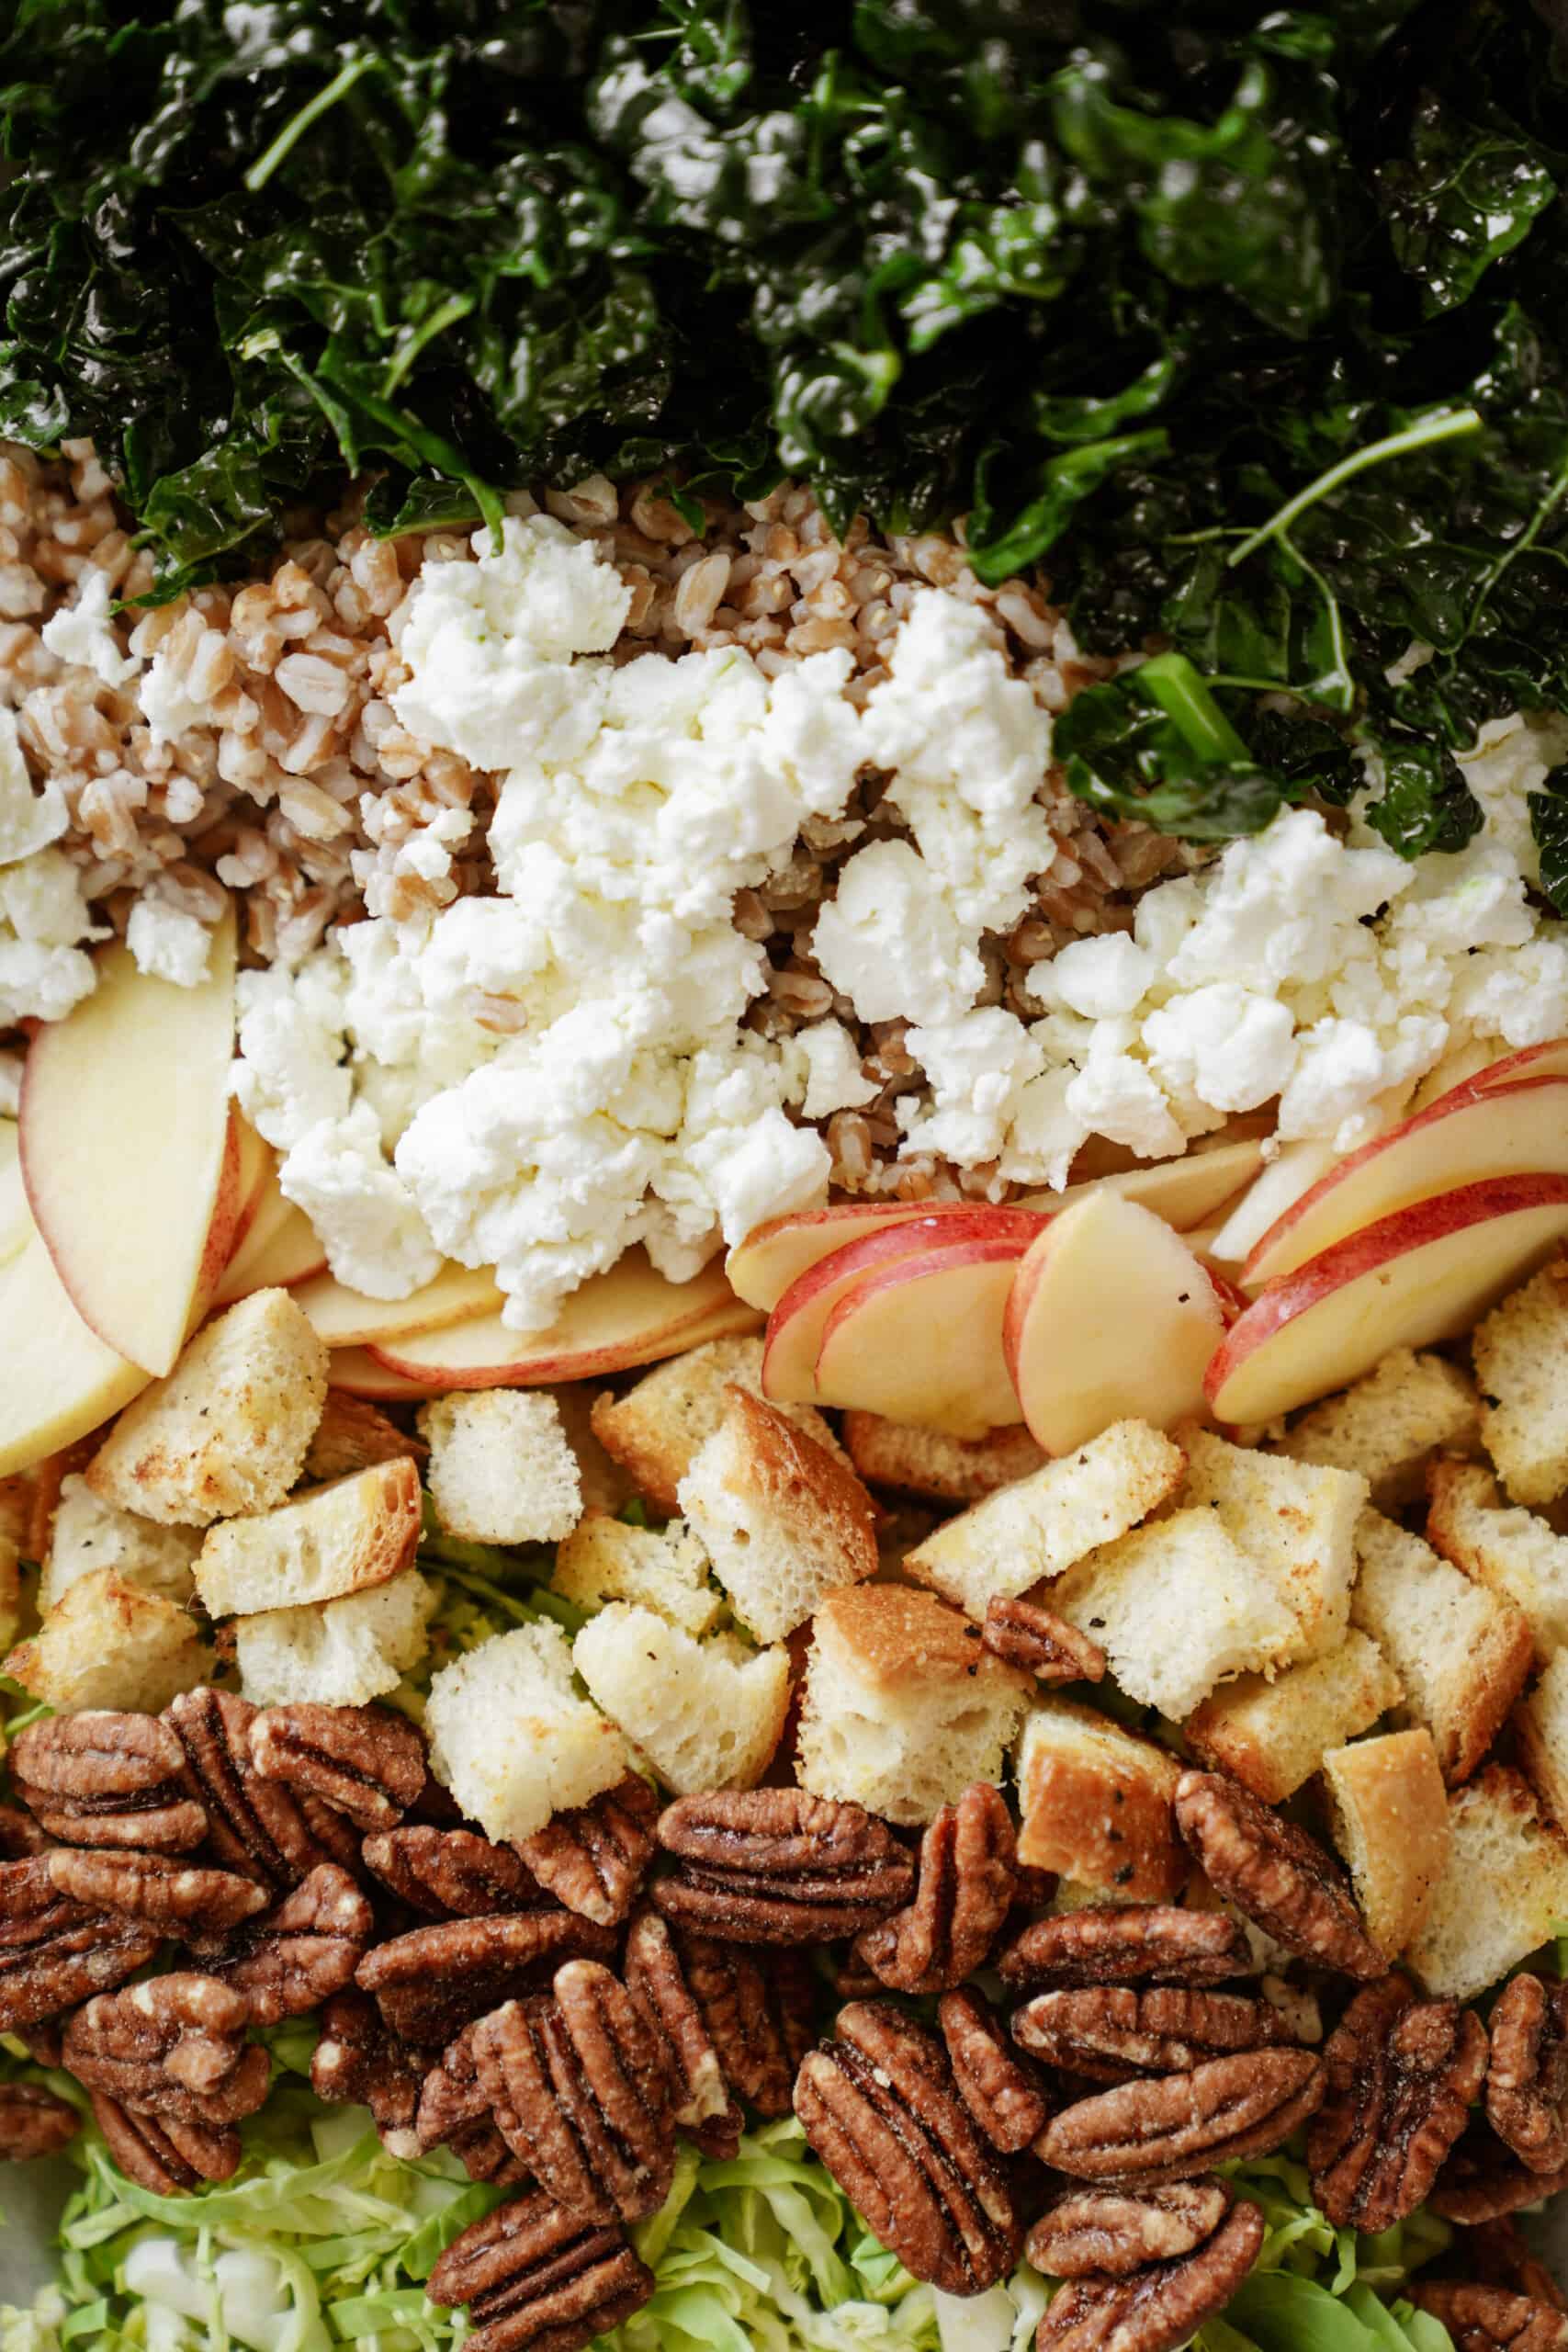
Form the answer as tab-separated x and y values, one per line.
88	1534
904	1707
1296	1520
1541	1725
1521	1365
1273	1735
929	1464
604	1484
354	1434
1096	1803
500	1470
663	1569
658	1429
229	1429
1389	1812
783	1520
341	1653
1176	1607
1041	1526
511	1740
1505	1548
332	1540
10	1592
1460	1652
1389	1425
704	1714
1503	1885
108	1644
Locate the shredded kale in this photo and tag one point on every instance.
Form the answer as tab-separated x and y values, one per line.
1251	325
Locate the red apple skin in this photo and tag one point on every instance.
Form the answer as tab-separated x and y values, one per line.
898	1272
822	1222
1547	1060
221	1227
534	1363
355	1370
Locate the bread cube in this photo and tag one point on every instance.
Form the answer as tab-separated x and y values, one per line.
903	1707
1504	1887
110	1644
341	1653
500	1470
935	1466
783	1520
704	1714
229	1429
1095	1802
354	1434
656	1429
604	1485
1460	1652
1388	1426
1521	1353
1540	1728
664	1569
1040	1526
511	1740
1388	1813
1505	1548
1296	1520
88	1534
1273	1735
332	1540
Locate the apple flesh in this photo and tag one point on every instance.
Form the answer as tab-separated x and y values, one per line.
1110	1318
279	1249
346	1318
126	1150
256	1171
1425	1274
1298	1167
356	1370
919	1339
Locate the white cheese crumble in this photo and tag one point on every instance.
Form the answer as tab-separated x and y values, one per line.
167	944
80	634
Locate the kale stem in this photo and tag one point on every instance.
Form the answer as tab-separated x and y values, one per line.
1183	695
1444	424
342	81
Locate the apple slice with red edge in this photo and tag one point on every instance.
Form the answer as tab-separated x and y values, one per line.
279	1249
258	1166
1473	1132
797	1323
1110	1318
132	1174
347	1318
919	1339
1549	1059
356	1372
1425	1274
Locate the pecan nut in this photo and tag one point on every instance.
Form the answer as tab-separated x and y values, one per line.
1041	1643
175	2046
451	1873
1132	1943
1158	2308
431	1983
1178	2124
963	1896
361	1761
303	1950
879	2105
53	1952
1115	2232
580	2087
104	1779
34	2123
1527	2081
595	1859
255	1826
656	1979
1484	2181
1402	2073
1490	2319
780	1866
1497	2254
1275	1874
1002	2091
532	2273
165	2154
356	2061
1109	2032
20	1835
162	1892
454	2112
760	2013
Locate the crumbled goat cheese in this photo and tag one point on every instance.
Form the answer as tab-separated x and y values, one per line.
167	944
30	820
80	633
364	1213
43	915
824	1067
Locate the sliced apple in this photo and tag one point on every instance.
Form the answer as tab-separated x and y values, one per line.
1110	1318
57	1378
279	1249
629	1316
258	1167
346	1318
1547	1060
1186	1191
797	1323
356	1370
1425	1274
920	1339
1298	1167
762	1267
1475	1132
125	1134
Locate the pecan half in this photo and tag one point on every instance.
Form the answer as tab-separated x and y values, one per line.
1001	2090
1132	1943
880	2106
451	1873
656	1979
256	1826
579	2090
1527	2081
20	1835
454	2112
165	2154
356	2061
363	1761
1497	2254
303	1950
532	2273
963	1896
53	1952
595	1858
1166	2129
102	1779
34	2123
1115	2232
1489	2319
162	1891
759	2012
429	1983
1109	2032
175	2046
1274	1874
1158	2308
1402	2073
1484	2181
780	1866
1041	1643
